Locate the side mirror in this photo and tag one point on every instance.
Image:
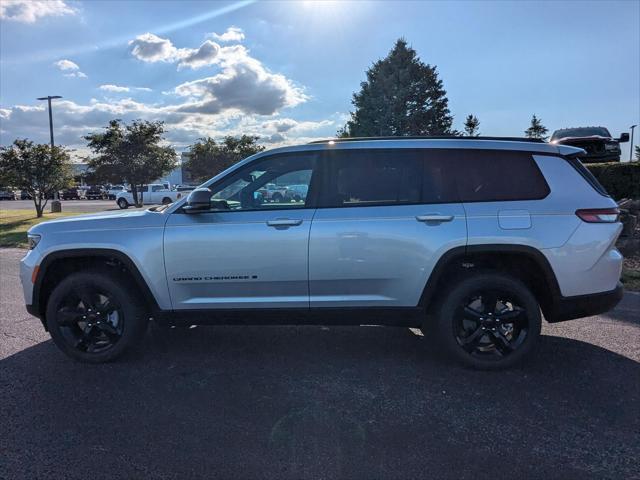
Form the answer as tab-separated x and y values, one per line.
624	137
198	200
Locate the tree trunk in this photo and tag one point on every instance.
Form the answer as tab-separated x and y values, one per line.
37	201
134	193
140	201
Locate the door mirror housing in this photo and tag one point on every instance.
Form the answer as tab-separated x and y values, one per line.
199	200
624	137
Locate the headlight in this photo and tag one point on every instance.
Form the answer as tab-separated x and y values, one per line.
33	240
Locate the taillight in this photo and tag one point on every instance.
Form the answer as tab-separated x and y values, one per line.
598	215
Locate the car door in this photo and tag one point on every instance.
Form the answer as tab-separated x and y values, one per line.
386	218
247	251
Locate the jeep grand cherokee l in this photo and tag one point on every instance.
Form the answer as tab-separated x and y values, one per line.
472	240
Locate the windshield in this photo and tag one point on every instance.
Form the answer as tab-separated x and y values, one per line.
580	132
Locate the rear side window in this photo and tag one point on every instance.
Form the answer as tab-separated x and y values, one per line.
495	175
373	177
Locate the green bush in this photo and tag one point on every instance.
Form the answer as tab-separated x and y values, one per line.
622	180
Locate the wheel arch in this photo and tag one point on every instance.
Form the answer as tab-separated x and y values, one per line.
521	261
59	264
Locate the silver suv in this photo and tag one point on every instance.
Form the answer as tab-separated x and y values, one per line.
472	240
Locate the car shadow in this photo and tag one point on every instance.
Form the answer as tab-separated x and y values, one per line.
317	402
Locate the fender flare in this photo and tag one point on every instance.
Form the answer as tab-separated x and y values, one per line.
105	253
464	252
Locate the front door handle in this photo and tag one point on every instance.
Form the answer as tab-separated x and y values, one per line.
284	222
434	218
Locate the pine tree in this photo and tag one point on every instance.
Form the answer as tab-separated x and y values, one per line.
401	96
472	126
536	129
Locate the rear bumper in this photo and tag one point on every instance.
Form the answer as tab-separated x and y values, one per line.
569	308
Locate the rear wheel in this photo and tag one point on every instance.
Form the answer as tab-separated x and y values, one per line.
488	321
166	201
122	203
95	317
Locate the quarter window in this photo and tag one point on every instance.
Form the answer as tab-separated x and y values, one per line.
494	175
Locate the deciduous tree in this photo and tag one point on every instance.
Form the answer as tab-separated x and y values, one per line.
132	153
207	158
36	168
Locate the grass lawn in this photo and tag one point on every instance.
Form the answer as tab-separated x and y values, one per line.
15	223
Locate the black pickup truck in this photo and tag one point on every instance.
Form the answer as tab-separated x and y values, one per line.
596	141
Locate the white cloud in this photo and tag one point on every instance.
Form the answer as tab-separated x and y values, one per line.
151	48
72	68
205	55
113	88
109	87
66	65
29	11
233	34
244	84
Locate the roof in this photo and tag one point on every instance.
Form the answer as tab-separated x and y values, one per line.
433	137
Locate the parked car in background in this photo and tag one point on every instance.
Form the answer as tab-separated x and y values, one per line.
596	141
7	194
94	192
183	188
153	194
114	190
24	195
297	193
273	193
70	194
422	233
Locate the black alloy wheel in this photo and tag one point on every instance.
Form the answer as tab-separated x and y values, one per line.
491	324
90	320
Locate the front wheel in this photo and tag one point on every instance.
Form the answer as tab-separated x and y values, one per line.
122	203
95	317
488	321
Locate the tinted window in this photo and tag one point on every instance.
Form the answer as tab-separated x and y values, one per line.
493	175
373	177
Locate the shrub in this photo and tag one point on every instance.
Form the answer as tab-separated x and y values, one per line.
621	180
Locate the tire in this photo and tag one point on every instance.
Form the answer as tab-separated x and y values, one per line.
277	197
166	201
100	334
123	204
468	329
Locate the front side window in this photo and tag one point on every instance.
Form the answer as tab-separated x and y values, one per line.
273	183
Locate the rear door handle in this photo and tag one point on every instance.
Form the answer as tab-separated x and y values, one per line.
284	222
434	218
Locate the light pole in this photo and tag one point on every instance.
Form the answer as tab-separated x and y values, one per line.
56	206
631	146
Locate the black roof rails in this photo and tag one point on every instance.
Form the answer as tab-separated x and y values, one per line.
434	137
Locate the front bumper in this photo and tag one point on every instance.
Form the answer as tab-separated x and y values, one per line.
569	308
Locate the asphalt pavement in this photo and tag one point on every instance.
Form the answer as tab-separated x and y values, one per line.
317	402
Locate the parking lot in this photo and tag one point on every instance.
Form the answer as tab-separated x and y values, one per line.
317	402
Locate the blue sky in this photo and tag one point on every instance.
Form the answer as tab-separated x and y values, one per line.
286	70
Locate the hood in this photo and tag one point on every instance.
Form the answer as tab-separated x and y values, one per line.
590	138
103	221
